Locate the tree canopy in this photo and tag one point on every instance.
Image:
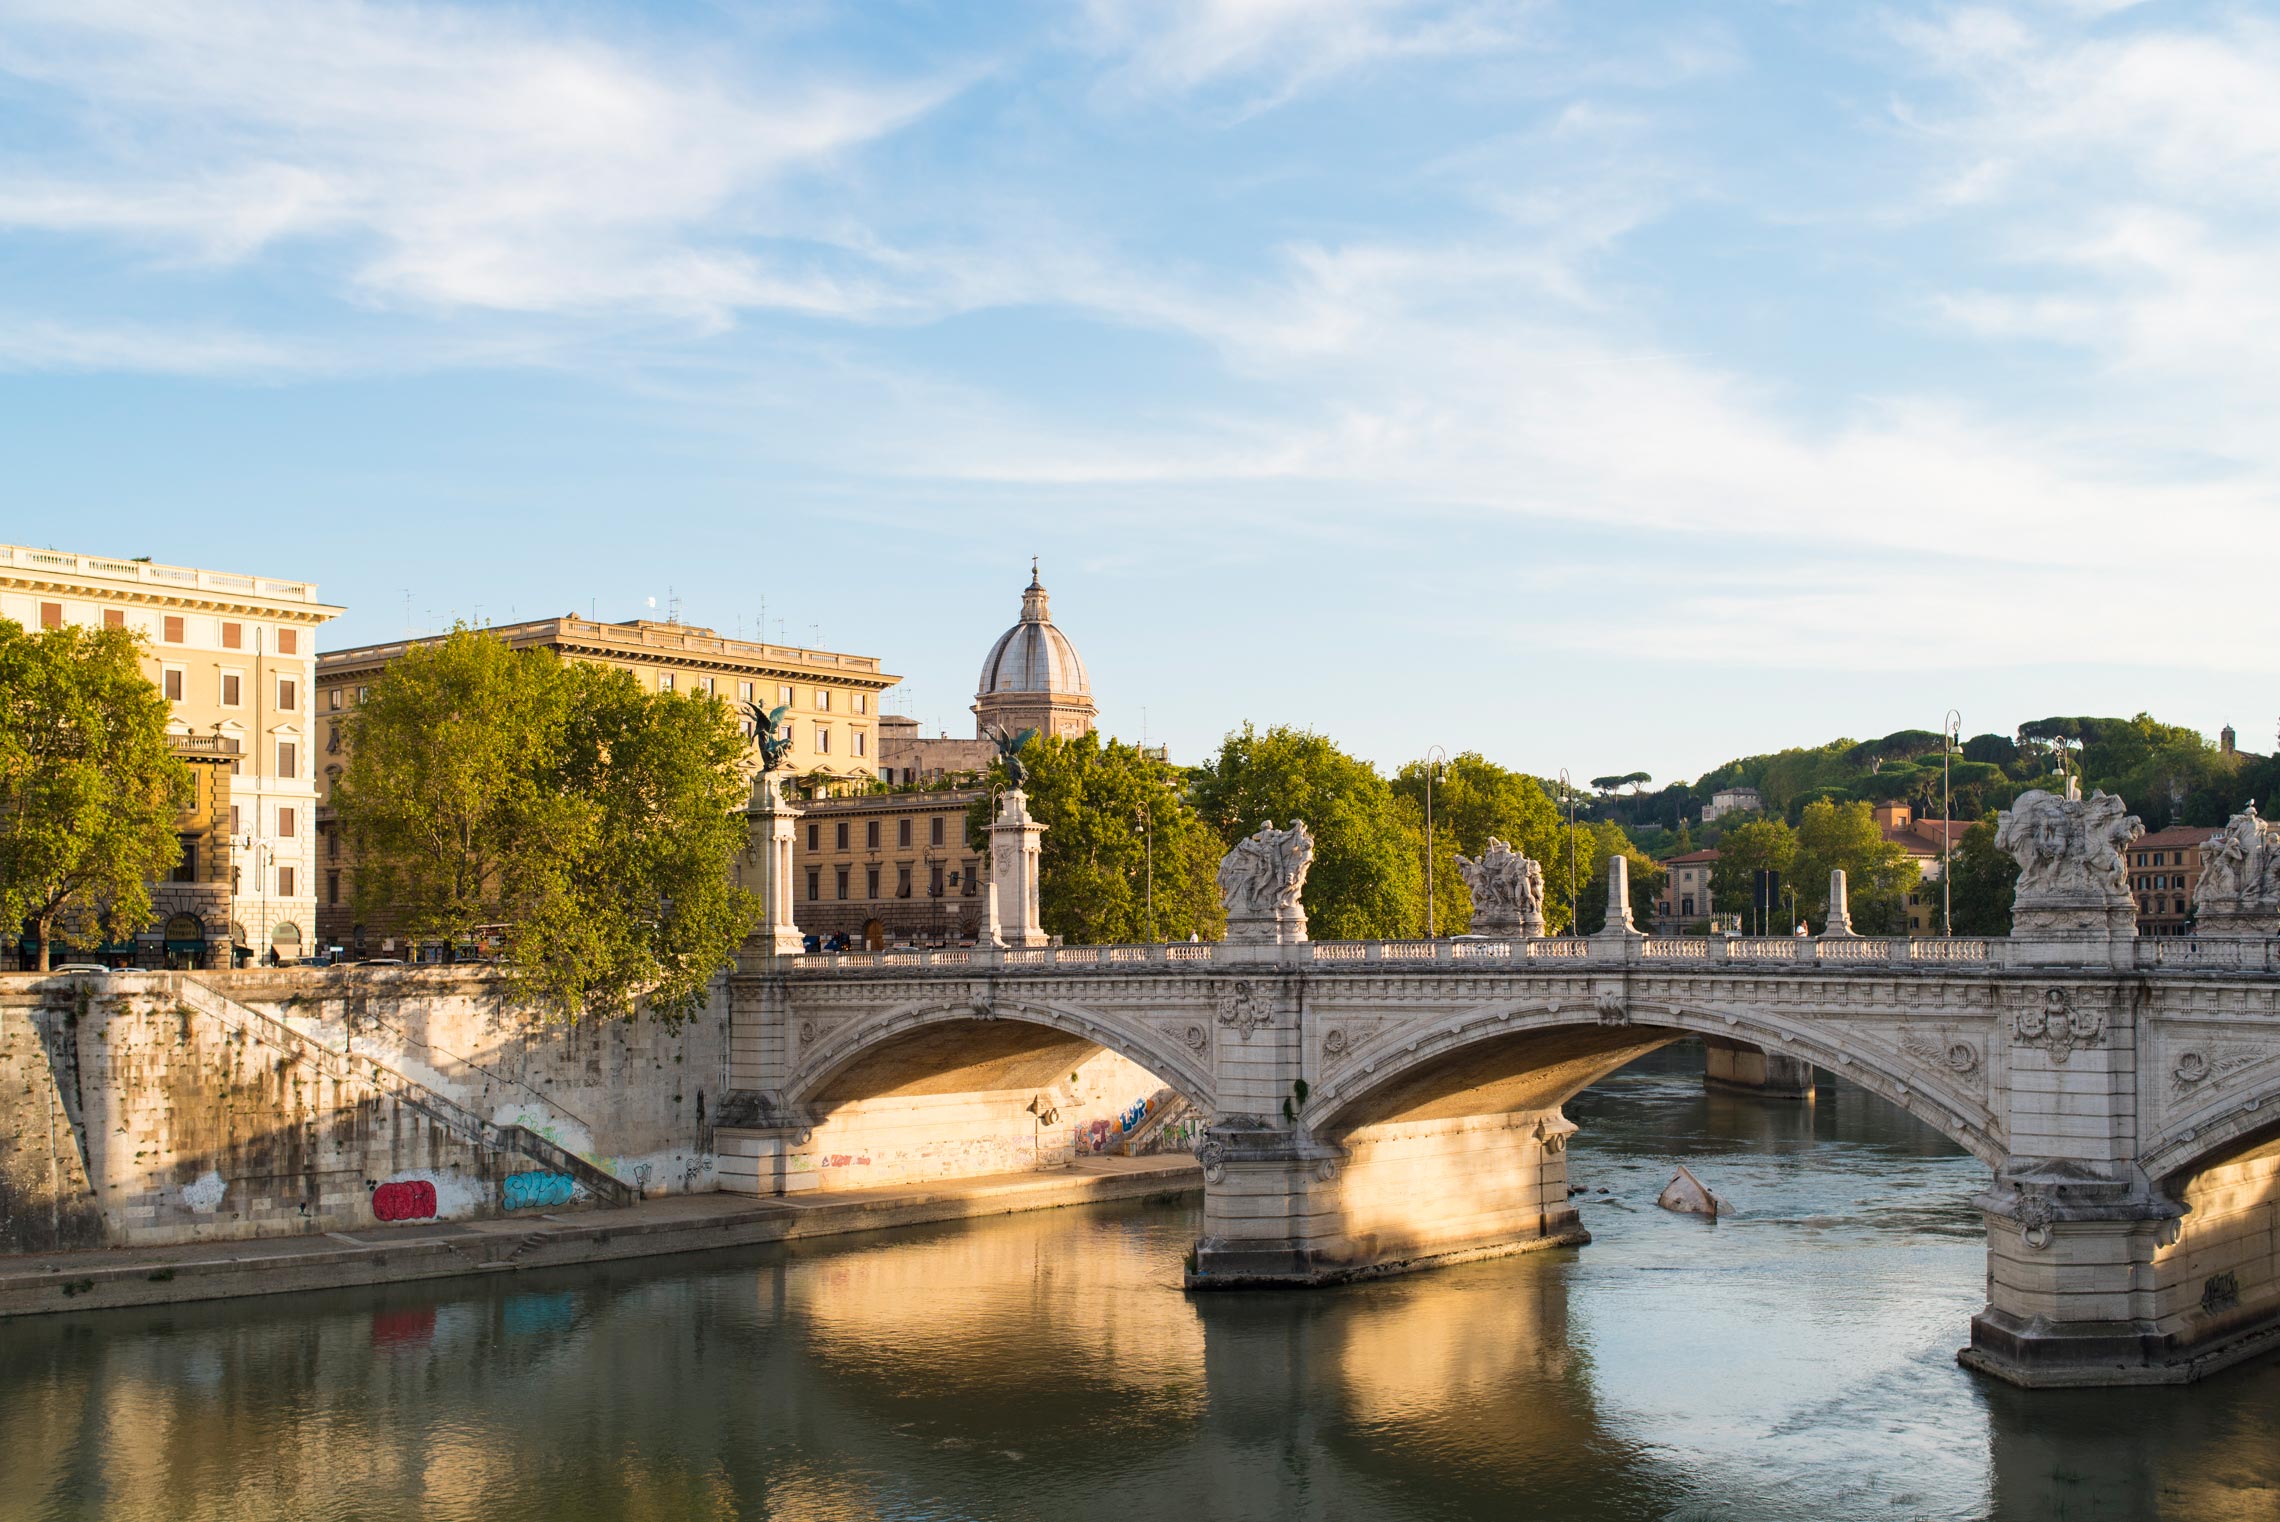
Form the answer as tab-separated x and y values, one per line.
1473	799
1109	809
1878	874
1368	879
484	785
90	791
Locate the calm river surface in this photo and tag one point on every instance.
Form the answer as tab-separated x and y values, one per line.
1794	1361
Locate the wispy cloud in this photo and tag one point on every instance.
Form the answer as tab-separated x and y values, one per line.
446	155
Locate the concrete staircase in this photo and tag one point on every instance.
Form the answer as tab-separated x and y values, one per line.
1146	1136
519	1141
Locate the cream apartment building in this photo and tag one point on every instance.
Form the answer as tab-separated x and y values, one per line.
235	656
832	698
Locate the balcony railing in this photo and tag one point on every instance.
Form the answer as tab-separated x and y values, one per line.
27	558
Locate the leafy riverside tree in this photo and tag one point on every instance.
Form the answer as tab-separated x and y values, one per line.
1878	874
1108	808
1981	880
1368	879
486	785
89	789
1474	798
1754	846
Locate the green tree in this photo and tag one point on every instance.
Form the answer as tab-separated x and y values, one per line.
1981	880
1753	846
1115	818
484	785
89	789
1367	880
1878	874
1473	799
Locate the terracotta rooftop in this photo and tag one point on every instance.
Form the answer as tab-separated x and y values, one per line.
1709	853
2176	835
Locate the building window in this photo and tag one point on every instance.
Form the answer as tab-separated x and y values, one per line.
664	681
234	827
814	836
871	834
862	702
233	636
860	748
744	692
51	615
186	865
783	697
172	684
971	879
902	832
934	882
870	882
288	694
173	629
332	888
815	884
1685	906
288	759
705	685
285	824
902	882
839	835
822	740
284	882
363	694
288	642
935	835
229	689
332	845
843	882
114	618
823	699
332	700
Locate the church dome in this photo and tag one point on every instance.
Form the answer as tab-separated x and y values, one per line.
1033	655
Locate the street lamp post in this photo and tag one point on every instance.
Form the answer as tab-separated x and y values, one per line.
1430	767
1567	796
1951	729
1148	847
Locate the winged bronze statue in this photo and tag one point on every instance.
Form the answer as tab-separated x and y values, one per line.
770	733
1009	751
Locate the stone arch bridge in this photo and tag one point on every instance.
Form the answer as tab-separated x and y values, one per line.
1379	1106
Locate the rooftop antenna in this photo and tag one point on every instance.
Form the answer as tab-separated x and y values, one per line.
672	606
407	612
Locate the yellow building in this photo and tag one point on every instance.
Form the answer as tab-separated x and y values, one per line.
235	656
833	722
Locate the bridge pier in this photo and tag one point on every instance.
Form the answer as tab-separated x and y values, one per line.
1284	1208
1740	1068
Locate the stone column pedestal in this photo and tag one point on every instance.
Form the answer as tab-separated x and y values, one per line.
1740	1068
1016	846
768	829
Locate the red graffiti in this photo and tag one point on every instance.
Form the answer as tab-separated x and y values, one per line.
405	1327
412	1200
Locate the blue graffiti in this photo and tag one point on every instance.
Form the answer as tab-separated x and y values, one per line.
526	1190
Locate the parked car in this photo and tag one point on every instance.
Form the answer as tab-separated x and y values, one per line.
383	962
81	967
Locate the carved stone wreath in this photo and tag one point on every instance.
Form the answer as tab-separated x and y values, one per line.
1214	1159
2034	1215
1336	1044
1957	1056
2057	1026
807	1030
1242	1007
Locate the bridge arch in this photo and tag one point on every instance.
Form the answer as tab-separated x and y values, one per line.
942	1044
1538	1054
2225	1122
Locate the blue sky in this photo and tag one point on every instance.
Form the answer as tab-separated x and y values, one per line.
1594	385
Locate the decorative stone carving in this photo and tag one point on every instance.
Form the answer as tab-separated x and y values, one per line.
1259	883
2073	879
807	1030
1507	891
2195	1068
1242	1007
2057	1026
1611	1009
1197	1037
1213	1156
1942	1049
1335	1043
2034	1213
2239	891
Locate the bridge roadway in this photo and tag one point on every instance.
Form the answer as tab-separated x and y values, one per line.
1381	1106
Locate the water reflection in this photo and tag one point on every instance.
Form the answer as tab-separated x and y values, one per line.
1793	1360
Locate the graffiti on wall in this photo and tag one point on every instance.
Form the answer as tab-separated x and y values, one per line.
407	1200
527	1191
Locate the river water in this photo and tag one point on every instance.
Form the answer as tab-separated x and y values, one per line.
1794	1360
